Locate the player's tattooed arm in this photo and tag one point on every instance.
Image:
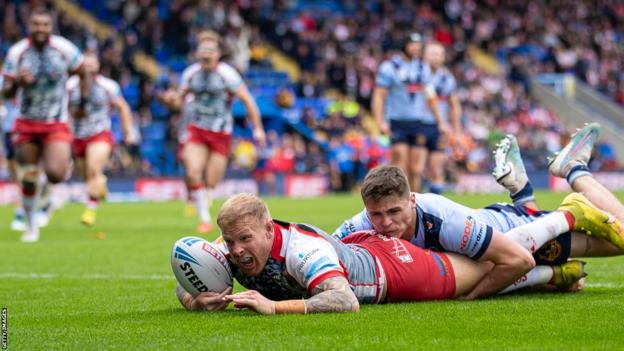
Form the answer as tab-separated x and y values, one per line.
332	295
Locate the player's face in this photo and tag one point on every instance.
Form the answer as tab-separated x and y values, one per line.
434	55
40	28
91	64
208	54
413	49
393	216
249	243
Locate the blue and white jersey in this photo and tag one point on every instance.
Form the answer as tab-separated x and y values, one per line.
408	84
445	86
445	225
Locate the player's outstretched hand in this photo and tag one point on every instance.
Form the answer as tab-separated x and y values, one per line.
208	301
253	300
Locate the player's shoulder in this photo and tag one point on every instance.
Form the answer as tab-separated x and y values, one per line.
61	43
227	71
192	69
19	47
303	240
110	85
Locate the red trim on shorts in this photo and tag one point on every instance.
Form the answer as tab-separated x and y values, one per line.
323	277
215	141
80	145
27	131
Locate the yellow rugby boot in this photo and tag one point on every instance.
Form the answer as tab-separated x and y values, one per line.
565	275
592	220
88	217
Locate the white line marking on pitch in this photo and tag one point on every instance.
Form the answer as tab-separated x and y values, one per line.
17	275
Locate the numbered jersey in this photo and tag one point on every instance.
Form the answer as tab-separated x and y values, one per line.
91	112
304	256
46	99
210	95
408	84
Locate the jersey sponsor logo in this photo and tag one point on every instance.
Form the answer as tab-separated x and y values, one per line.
467	232
319	266
305	258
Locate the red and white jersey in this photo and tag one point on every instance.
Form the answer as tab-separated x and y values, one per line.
303	256
46	99
210	95
97	105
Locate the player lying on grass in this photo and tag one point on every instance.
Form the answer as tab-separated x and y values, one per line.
295	268
434	222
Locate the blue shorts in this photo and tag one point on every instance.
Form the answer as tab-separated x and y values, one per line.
417	134
9	150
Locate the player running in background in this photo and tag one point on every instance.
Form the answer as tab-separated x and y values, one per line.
402	96
91	97
445	86
435	222
287	261
44	211
36	69
206	93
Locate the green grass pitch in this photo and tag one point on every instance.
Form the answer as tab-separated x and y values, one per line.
73	290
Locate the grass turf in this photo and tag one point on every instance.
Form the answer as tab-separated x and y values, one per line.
76	289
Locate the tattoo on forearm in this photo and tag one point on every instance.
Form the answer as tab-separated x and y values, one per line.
332	295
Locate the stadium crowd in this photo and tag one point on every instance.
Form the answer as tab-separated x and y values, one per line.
337	47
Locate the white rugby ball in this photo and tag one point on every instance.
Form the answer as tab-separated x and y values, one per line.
199	266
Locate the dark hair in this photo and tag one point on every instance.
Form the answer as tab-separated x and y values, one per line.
384	181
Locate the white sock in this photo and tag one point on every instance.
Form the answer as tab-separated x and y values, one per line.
30	202
201	202
539	275
535	234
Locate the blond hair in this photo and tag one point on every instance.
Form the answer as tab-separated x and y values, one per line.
240	208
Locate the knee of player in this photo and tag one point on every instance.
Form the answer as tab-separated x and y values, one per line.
56	175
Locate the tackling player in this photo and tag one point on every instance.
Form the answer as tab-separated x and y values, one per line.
435	222
284	262
36	70
91	98
207	90
402	96
445	86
